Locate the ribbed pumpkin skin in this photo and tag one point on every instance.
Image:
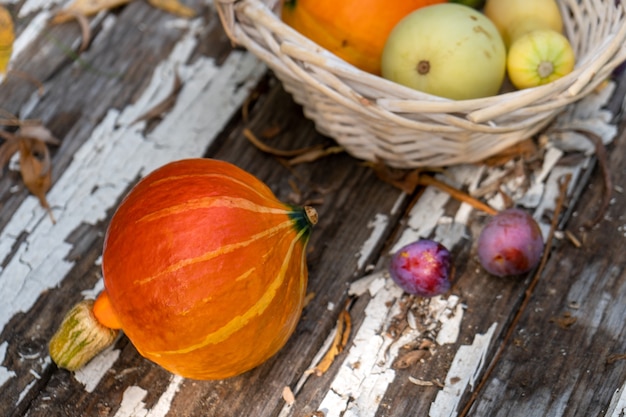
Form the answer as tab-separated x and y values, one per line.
206	269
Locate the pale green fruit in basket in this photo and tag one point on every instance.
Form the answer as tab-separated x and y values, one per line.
448	50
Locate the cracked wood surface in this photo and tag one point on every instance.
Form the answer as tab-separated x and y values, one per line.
564	356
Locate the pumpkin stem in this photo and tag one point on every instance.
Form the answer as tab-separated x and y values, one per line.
311	215
80	337
304	218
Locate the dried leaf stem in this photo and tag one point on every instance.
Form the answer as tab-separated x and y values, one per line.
342	334
409	181
297	156
563	186
457	194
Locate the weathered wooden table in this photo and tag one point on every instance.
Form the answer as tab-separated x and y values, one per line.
563	345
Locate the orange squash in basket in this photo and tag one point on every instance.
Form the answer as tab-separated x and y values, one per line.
354	30
204	269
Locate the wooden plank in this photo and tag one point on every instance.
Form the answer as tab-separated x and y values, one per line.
560	359
46	267
67	392
36	254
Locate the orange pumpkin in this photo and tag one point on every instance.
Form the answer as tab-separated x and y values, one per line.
204	269
354	30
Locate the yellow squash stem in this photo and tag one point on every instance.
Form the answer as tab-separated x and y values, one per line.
80	337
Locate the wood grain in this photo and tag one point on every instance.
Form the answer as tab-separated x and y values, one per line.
558	364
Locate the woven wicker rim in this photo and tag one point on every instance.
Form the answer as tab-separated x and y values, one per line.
376	119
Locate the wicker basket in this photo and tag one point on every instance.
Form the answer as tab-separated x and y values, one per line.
378	120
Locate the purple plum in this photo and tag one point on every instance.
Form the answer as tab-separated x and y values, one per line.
422	268
511	243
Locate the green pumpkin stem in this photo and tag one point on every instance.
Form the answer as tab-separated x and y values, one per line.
304	218
80	337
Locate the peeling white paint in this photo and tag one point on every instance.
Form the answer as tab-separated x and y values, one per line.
362	285
91	374
30	33
398	203
111	159
465	369
378	226
115	155
551	157
450	317
5	374
32	6
121	148
162	407
551	194
532	197
423	217
25	391
617	406
372	283
366	370
44	362
92	293
132	404
163	78
462	215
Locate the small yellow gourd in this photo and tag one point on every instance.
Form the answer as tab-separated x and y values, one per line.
537	51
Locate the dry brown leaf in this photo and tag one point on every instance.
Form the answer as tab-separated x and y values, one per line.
173	7
7	36
342	334
36	169
35	165
86	8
